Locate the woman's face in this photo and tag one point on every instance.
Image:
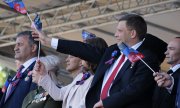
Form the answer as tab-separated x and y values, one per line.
73	63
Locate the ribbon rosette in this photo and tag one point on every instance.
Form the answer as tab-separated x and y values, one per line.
113	55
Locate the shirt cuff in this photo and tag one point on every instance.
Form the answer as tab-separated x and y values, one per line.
171	87
54	43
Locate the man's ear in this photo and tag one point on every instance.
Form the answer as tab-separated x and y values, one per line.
34	48
133	34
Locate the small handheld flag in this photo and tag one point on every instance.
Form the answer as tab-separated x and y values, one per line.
133	55
130	53
18	5
37	22
87	35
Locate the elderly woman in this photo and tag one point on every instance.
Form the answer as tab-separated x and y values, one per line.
39	98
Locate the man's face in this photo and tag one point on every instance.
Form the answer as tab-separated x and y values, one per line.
173	52
122	34
73	63
23	50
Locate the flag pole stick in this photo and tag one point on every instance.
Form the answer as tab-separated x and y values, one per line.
146	64
38	32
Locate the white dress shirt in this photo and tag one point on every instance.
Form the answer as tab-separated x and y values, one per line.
54	43
176	67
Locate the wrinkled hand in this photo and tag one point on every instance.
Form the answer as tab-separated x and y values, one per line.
42	37
163	79
40	68
99	104
38	71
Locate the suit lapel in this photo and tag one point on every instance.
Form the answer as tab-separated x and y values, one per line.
100	73
176	72
122	70
24	74
102	68
3	99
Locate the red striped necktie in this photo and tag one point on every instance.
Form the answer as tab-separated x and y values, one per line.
105	90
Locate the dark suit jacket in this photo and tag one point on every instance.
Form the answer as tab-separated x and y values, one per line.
178	96
162	98
132	88
20	91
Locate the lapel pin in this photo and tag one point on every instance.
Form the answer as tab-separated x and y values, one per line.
28	75
132	64
27	78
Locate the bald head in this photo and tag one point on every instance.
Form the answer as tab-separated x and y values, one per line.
176	43
173	52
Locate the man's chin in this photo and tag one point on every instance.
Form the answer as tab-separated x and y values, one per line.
16	57
169	62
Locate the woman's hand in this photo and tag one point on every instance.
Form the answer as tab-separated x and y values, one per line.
39	71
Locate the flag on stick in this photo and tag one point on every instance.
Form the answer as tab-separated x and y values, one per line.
87	35
18	5
133	55
37	23
130	53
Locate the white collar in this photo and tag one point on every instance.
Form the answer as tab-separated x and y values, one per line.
175	68
137	45
28	63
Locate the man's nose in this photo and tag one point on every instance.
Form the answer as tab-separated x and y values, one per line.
166	52
15	48
116	34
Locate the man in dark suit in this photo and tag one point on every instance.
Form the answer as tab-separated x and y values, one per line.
166	97
132	85
178	96
25	52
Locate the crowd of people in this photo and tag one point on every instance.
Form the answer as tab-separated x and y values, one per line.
97	83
